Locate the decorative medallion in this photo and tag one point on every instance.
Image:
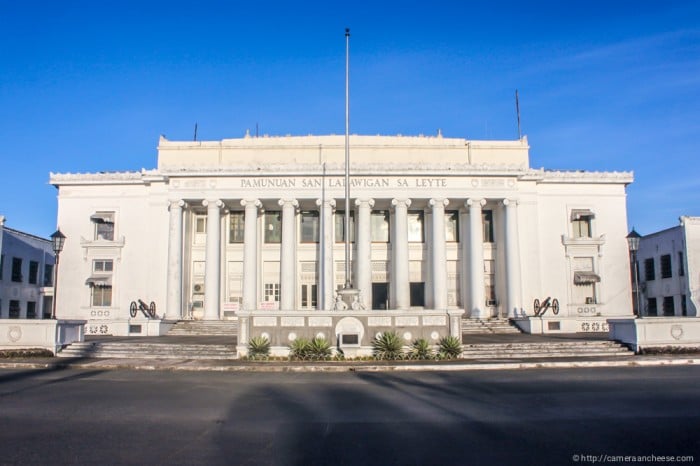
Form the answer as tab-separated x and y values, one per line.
292	336
407	336
677	331
14	333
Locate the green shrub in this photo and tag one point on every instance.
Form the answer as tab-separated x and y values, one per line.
449	347
387	345
299	349
320	348
420	349
259	348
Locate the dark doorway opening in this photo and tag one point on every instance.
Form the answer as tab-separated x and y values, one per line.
380	296
418	294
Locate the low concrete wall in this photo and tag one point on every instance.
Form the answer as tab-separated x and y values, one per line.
656	332
45	333
137	327
559	324
283	327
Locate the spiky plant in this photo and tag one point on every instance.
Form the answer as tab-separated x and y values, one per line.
449	347
420	349
299	348
259	347
387	345
320	348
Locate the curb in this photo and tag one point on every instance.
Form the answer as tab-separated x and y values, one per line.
188	366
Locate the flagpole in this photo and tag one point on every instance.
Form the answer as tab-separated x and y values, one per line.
348	282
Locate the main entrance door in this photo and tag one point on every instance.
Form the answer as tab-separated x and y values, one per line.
380	295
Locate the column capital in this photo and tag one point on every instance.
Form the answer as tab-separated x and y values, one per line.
217	202
399	202
435	202
179	203
363	202
329	202
510	202
253	202
474	202
286	202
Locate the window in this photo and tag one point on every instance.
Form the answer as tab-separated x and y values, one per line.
33	272
649	274
487	220
452	226
340	226
2	264
309	226
684	306
309	296
102	266
380	226
236	230
47	306
14	309
681	266
16	269
272	292
651	307
101	295
48	275
490	282
666	266
200	224
581	223
669	308
104	225
415	226
273	226
31	309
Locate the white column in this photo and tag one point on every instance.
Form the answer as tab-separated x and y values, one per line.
439	262
250	254
173	307
325	263
513	278
476	258
288	254
402	290
212	272
363	261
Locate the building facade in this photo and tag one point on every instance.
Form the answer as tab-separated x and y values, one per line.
258	224
26	275
668	263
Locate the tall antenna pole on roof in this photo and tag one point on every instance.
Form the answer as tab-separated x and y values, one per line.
517	111
195	132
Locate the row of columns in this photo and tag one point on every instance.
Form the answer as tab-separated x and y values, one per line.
400	260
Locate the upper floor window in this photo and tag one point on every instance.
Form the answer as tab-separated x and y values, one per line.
236	231
415	226
340	226
666	266
649	273
33	272
104	225
380	226
102	266
48	274
200	224
16	269
487	221
681	266
581	223
309	226
273	226
452	226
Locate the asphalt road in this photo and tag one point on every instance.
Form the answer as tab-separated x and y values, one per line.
507	417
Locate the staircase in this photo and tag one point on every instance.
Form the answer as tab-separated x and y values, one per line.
204	328
568	349
143	350
488	326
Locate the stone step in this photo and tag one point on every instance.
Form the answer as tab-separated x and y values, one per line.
148	351
204	327
572	349
545	344
546	355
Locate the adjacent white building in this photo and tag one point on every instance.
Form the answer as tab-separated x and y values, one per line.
26	275
256	224
668	262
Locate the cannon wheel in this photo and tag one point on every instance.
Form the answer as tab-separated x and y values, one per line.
132	309
555	306
152	309
536	305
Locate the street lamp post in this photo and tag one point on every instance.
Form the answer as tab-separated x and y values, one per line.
57	241
633	244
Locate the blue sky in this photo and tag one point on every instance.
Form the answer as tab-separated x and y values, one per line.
89	86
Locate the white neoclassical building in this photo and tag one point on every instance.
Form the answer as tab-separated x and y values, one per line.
255	225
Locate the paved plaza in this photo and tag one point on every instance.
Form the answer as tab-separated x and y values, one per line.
499	417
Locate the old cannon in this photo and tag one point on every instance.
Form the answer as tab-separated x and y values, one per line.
541	308
148	310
